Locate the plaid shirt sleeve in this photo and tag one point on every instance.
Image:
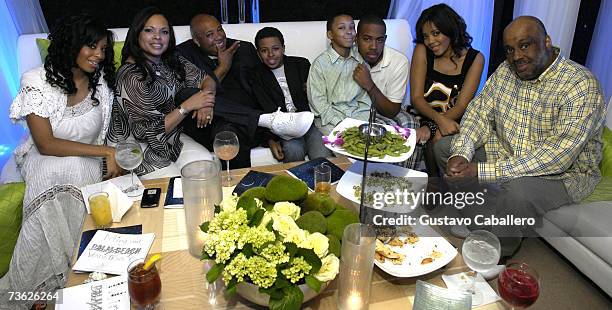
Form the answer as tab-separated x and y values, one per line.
575	124
476	125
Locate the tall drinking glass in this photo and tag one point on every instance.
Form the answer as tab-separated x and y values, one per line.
144	286
519	285
129	157
201	182
226	146
356	266
481	251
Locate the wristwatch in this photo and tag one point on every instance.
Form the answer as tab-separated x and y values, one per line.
183	111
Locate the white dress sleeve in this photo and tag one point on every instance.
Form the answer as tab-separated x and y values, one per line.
33	98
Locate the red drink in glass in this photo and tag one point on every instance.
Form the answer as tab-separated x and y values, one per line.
144	286
518	285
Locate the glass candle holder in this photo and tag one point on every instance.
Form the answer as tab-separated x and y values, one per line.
201	182
356	265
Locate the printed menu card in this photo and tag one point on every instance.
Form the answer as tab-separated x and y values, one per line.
110	252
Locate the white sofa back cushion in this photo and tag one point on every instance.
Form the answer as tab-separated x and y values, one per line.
306	39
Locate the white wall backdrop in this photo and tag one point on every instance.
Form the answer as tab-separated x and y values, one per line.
559	17
478	15
599	59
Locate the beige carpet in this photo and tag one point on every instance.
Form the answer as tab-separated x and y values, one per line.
563	286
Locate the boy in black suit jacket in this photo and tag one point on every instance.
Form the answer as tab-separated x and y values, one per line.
230	62
279	83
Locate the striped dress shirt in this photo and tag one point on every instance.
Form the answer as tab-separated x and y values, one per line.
332	93
548	127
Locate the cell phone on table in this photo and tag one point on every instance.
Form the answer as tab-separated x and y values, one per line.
150	197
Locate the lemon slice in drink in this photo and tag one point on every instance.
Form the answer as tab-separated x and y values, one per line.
151	261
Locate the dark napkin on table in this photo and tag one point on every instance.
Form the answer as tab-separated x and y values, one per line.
252	179
305	171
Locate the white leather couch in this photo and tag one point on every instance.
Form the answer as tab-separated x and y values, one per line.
306	39
583	234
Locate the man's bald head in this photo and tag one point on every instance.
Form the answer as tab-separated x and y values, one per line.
207	33
533	23
529	49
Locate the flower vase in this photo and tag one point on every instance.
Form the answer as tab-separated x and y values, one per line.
251	293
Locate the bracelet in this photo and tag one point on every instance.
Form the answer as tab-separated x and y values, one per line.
432	128
182	111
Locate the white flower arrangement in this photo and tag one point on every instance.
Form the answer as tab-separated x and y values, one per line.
268	249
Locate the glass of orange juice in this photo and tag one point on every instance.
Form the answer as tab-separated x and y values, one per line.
100	208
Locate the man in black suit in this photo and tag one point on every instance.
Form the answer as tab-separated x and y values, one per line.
279	82
230	61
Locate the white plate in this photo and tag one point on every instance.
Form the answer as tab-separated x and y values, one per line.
350	122
352	177
415	253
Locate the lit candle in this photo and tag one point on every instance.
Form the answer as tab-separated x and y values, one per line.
354	301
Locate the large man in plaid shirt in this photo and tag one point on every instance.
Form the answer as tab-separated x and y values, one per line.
535	129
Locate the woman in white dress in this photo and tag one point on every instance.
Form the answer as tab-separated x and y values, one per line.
66	105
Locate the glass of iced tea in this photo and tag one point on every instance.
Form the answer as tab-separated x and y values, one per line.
100	208
322	178
144	286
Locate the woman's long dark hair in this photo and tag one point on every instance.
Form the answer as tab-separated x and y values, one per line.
133	49
70	34
449	23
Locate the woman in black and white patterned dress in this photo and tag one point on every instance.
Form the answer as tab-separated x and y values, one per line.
147	82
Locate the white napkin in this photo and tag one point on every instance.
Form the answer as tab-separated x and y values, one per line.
119	201
461	281
177	192
178	188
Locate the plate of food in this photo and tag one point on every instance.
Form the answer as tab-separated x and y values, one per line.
412	251
384	178
395	145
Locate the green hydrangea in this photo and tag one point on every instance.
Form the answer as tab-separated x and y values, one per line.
275	253
237	268
222	244
261	271
298	268
257	236
228	220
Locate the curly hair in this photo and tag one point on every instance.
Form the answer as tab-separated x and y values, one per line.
70	34
449	23
132	48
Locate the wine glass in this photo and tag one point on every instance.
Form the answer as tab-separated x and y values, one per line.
129	156
226	146
481	251
518	285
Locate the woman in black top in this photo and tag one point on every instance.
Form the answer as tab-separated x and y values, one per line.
444	74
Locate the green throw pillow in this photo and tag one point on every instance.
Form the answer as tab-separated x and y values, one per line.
11	202
43	46
606	160
602	192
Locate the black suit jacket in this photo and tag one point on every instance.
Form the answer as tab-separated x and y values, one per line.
235	86
267	91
